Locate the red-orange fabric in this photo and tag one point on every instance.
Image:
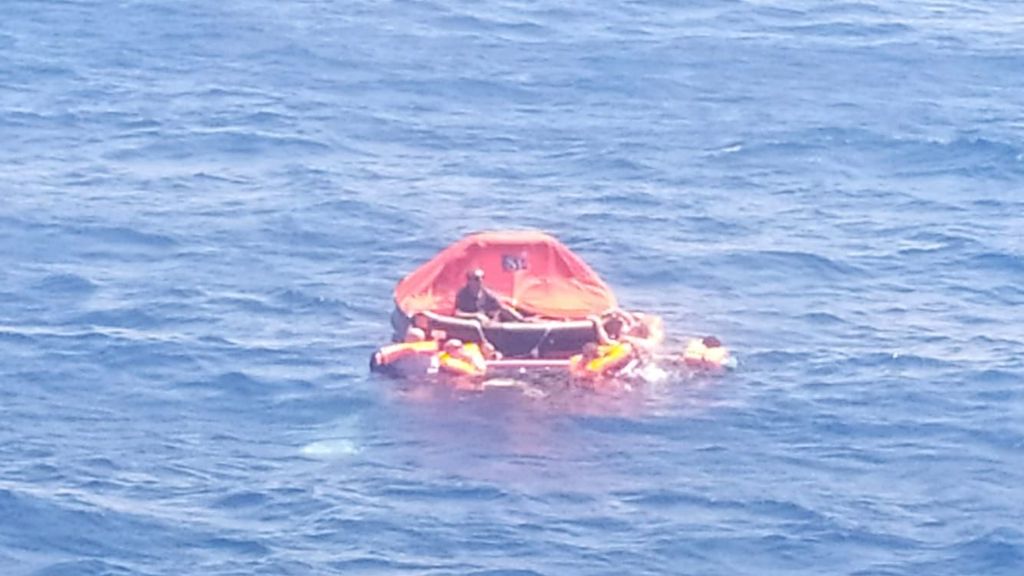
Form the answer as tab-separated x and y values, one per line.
530	270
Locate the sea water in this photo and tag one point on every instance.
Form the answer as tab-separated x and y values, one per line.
205	206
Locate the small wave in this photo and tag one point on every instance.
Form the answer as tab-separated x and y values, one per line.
77	525
1012	264
1005	377
24	119
824	318
227	387
249	304
295	300
504	572
379	565
793	263
902	360
662	499
965	156
118	318
725	149
936	243
245	546
237	382
288	231
998	552
844	30
240	500
849	9
214	143
65	284
1001	438
329	448
780	357
477	25
89	567
445	492
905	156
123	236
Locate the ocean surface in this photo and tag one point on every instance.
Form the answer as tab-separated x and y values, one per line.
205	206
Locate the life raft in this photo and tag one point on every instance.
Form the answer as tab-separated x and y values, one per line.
565	306
529	271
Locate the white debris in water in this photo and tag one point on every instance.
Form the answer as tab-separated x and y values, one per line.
327	448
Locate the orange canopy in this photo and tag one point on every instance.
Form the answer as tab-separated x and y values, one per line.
530	270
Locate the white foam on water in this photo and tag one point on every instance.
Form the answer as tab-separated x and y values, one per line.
332	447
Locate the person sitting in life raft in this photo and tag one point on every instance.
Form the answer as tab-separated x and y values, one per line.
462	359
473	300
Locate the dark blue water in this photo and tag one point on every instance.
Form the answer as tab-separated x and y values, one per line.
204	207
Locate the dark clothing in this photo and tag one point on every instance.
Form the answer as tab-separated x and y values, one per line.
472	301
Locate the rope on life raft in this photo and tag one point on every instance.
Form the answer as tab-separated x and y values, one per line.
535	351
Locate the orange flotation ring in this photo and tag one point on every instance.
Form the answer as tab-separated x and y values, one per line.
610	358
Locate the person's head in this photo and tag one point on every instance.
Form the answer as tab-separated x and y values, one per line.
453	345
613	327
590	351
475	277
414	334
712	342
